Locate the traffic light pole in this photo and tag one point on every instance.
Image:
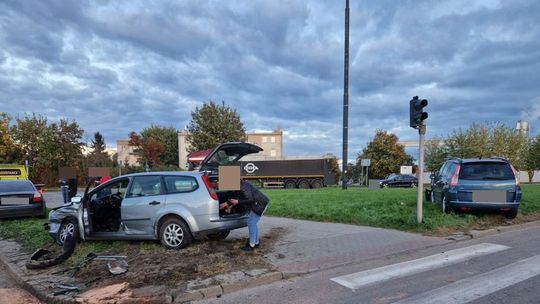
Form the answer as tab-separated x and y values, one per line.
420	195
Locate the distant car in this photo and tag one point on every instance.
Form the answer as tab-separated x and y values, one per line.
399	180
173	207
20	198
489	184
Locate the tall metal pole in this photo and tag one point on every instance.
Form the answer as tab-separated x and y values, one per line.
345	101
420	194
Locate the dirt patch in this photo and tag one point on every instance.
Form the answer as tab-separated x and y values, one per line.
154	265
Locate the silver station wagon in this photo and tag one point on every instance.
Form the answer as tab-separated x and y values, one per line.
172	207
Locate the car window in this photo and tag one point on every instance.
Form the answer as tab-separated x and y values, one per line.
486	171
16	186
145	186
117	188
179	184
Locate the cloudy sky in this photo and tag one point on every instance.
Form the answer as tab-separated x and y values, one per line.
119	66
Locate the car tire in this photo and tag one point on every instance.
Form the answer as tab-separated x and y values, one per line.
175	234
384	185
68	227
427	195
414	185
511	214
444	206
219	236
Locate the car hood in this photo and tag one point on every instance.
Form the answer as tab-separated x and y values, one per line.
64	211
227	154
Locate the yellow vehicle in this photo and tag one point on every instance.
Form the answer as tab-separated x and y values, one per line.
13	172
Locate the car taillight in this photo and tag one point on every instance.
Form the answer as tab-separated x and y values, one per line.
209	187
37	198
455	177
516	175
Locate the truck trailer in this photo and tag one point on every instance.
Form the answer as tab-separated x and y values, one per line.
289	173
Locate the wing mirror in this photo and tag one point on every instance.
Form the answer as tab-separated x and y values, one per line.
76	199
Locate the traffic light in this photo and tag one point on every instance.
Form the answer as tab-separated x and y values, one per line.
416	110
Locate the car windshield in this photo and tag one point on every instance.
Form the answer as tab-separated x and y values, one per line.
486	171
16	186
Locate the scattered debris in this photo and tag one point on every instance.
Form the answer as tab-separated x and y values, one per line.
117	266
43	258
65	288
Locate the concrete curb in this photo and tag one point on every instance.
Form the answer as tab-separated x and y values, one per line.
216	291
475	234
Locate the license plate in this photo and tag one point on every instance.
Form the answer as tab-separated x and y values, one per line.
494	196
15	200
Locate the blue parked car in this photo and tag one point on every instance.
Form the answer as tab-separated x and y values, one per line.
489	184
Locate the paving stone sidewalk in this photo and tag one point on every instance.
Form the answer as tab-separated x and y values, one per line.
310	246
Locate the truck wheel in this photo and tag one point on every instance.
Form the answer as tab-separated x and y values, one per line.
303	184
316	184
290	184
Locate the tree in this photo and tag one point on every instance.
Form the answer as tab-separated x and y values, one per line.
479	140
50	145
147	149
533	157
386	155
334	166
9	151
98	157
213	124
167	137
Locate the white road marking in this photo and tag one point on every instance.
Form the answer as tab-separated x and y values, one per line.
475	287
381	274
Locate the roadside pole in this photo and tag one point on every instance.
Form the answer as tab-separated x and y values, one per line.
420	187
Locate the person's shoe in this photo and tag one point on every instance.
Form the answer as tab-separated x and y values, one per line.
248	248
256	245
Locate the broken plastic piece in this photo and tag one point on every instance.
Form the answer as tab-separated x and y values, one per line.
117	266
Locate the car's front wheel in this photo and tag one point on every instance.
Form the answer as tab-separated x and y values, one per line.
68	227
175	234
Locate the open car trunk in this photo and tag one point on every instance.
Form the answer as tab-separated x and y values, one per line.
232	211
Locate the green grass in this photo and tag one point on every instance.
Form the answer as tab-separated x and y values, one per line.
387	208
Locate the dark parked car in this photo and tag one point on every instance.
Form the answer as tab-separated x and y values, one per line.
399	180
489	184
20	198
173	207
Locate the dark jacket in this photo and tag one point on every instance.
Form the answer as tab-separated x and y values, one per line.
252	197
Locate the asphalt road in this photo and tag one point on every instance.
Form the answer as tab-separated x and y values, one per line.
503	268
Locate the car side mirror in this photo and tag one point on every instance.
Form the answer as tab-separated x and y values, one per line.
76	199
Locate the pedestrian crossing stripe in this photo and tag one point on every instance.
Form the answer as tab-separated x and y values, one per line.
475	287
386	273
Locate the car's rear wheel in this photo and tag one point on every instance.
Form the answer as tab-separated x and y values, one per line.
68	227
511	214
175	234
219	236
414	185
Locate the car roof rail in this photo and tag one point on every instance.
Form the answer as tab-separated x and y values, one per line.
499	157
453	157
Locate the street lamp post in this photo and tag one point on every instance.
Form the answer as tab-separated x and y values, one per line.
345	101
